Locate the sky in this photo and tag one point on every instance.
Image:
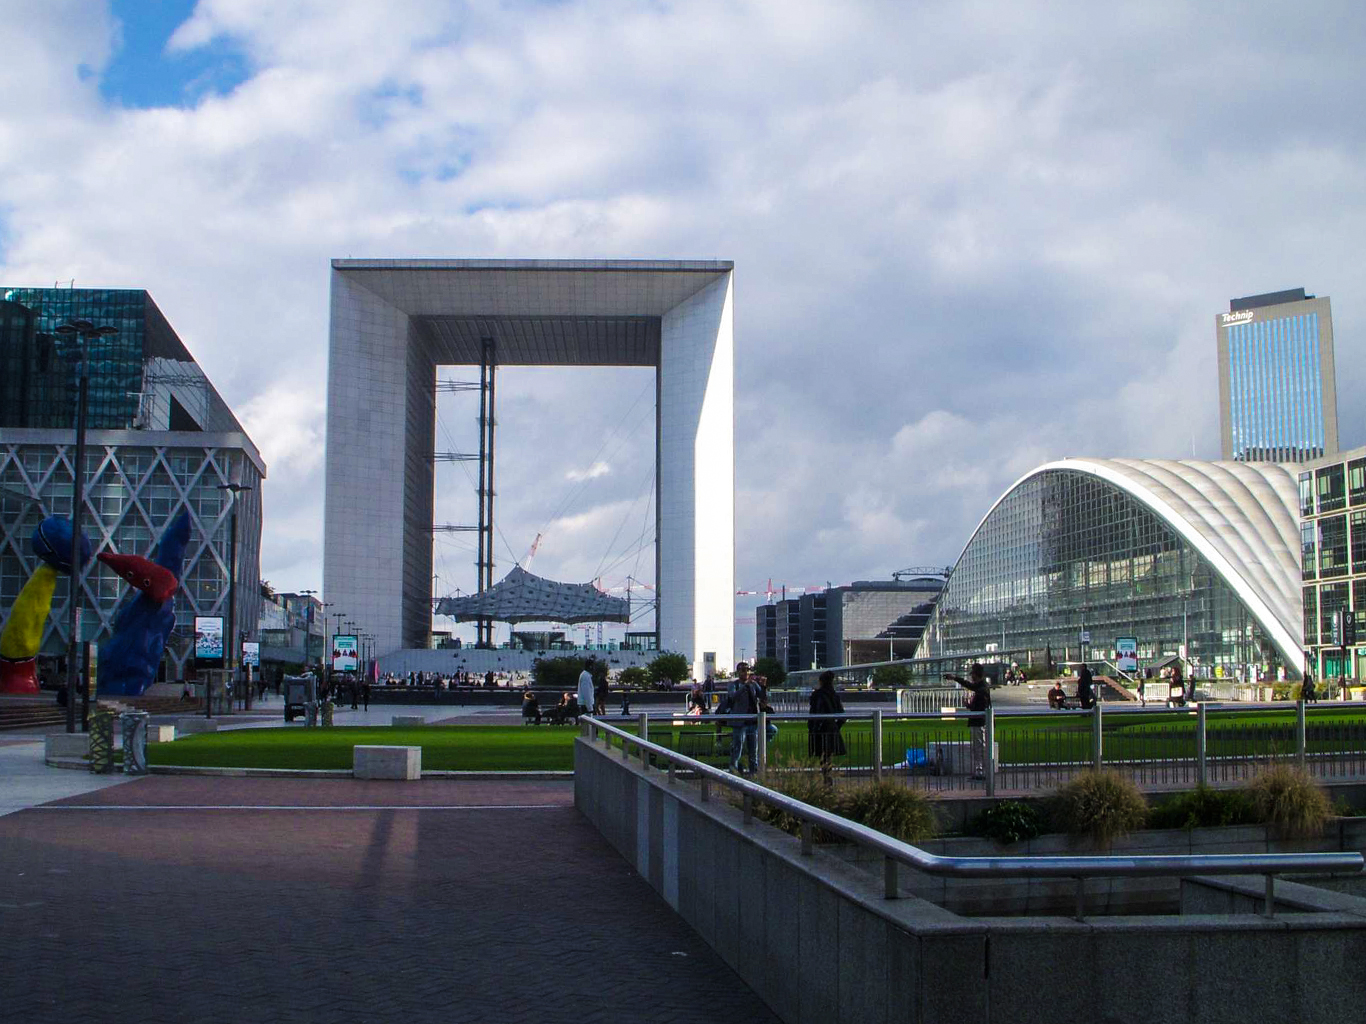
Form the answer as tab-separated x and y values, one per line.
968	237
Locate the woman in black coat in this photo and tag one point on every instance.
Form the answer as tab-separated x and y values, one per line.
823	739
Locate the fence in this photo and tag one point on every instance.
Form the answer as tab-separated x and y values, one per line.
1029	751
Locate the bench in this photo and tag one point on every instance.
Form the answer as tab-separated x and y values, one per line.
376	762
407	721
186	726
161	734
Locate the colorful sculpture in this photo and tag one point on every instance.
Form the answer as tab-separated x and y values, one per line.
129	658
23	632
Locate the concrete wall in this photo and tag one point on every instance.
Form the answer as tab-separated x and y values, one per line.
816	940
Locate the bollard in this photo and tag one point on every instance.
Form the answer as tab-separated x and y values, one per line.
328	708
989	758
1300	744
134	741
102	741
1096	738
877	743
1201	746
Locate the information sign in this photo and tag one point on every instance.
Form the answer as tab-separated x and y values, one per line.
344	652
1126	653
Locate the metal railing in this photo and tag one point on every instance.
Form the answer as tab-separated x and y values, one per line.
895	853
1034	748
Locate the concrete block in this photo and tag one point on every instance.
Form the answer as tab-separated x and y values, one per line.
818	910
66	744
863	965
407	721
374	762
161	734
187	726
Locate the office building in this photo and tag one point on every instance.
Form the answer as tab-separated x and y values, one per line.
1277	386
870	620
1333	543
159	439
1193	559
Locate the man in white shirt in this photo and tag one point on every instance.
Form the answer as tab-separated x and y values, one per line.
586	687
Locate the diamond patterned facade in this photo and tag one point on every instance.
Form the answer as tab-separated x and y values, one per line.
173	444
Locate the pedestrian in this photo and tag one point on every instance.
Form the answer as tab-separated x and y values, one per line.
587	700
742	698
365	694
979	699
1307	691
823	738
1086	692
600	695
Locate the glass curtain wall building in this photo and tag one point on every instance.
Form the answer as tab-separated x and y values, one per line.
159	440
1277	384
1333	545
1184	557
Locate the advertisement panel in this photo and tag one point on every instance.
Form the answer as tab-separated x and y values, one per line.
344	648
1126	653
251	654
208	641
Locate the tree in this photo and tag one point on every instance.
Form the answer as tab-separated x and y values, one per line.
671	668
563	673
634	677
771	669
889	677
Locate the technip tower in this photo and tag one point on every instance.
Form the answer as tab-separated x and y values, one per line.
1277	387
395	321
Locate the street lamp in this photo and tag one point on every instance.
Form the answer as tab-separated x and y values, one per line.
234	644
85	331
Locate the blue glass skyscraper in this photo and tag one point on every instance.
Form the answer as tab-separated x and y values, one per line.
1277	386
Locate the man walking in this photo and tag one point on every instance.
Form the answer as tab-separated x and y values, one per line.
742	698
586	701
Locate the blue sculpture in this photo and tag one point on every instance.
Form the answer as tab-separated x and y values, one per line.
129	658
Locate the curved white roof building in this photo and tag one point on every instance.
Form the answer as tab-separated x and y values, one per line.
1162	551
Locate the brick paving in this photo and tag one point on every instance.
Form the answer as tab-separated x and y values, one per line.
206	899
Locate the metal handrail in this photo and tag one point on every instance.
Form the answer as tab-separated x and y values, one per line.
897	852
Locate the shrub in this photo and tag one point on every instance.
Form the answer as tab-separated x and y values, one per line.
1010	821
889	677
634	677
772	670
562	673
888	806
1100	805
668	668
1287	799
891	807
1203	807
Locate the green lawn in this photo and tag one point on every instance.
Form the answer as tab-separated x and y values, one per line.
1022	740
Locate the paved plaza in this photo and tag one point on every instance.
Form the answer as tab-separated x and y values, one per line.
174	898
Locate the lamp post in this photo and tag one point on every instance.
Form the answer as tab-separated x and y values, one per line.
234	645
85	331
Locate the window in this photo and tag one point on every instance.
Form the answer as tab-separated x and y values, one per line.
1311	616
1333	546
1356	481
1359	541
1306	494
1308	550
1330	483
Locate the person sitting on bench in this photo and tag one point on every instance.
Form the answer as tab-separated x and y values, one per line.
1057	696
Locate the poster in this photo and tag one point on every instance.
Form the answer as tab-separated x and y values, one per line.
1126	654
208	641
251	654
344	653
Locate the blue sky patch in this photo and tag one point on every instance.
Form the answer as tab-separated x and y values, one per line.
144	74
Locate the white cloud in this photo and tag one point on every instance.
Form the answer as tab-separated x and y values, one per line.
594	471
969	237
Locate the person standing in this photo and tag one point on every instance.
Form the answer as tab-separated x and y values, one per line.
1086	688
823	738
1307	691
365	694
600	695
742	698
979	699
587	699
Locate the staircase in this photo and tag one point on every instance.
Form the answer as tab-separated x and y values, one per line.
33	714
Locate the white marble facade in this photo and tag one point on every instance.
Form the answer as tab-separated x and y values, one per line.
395	321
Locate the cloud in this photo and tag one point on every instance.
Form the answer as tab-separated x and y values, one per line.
594	471
969	237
